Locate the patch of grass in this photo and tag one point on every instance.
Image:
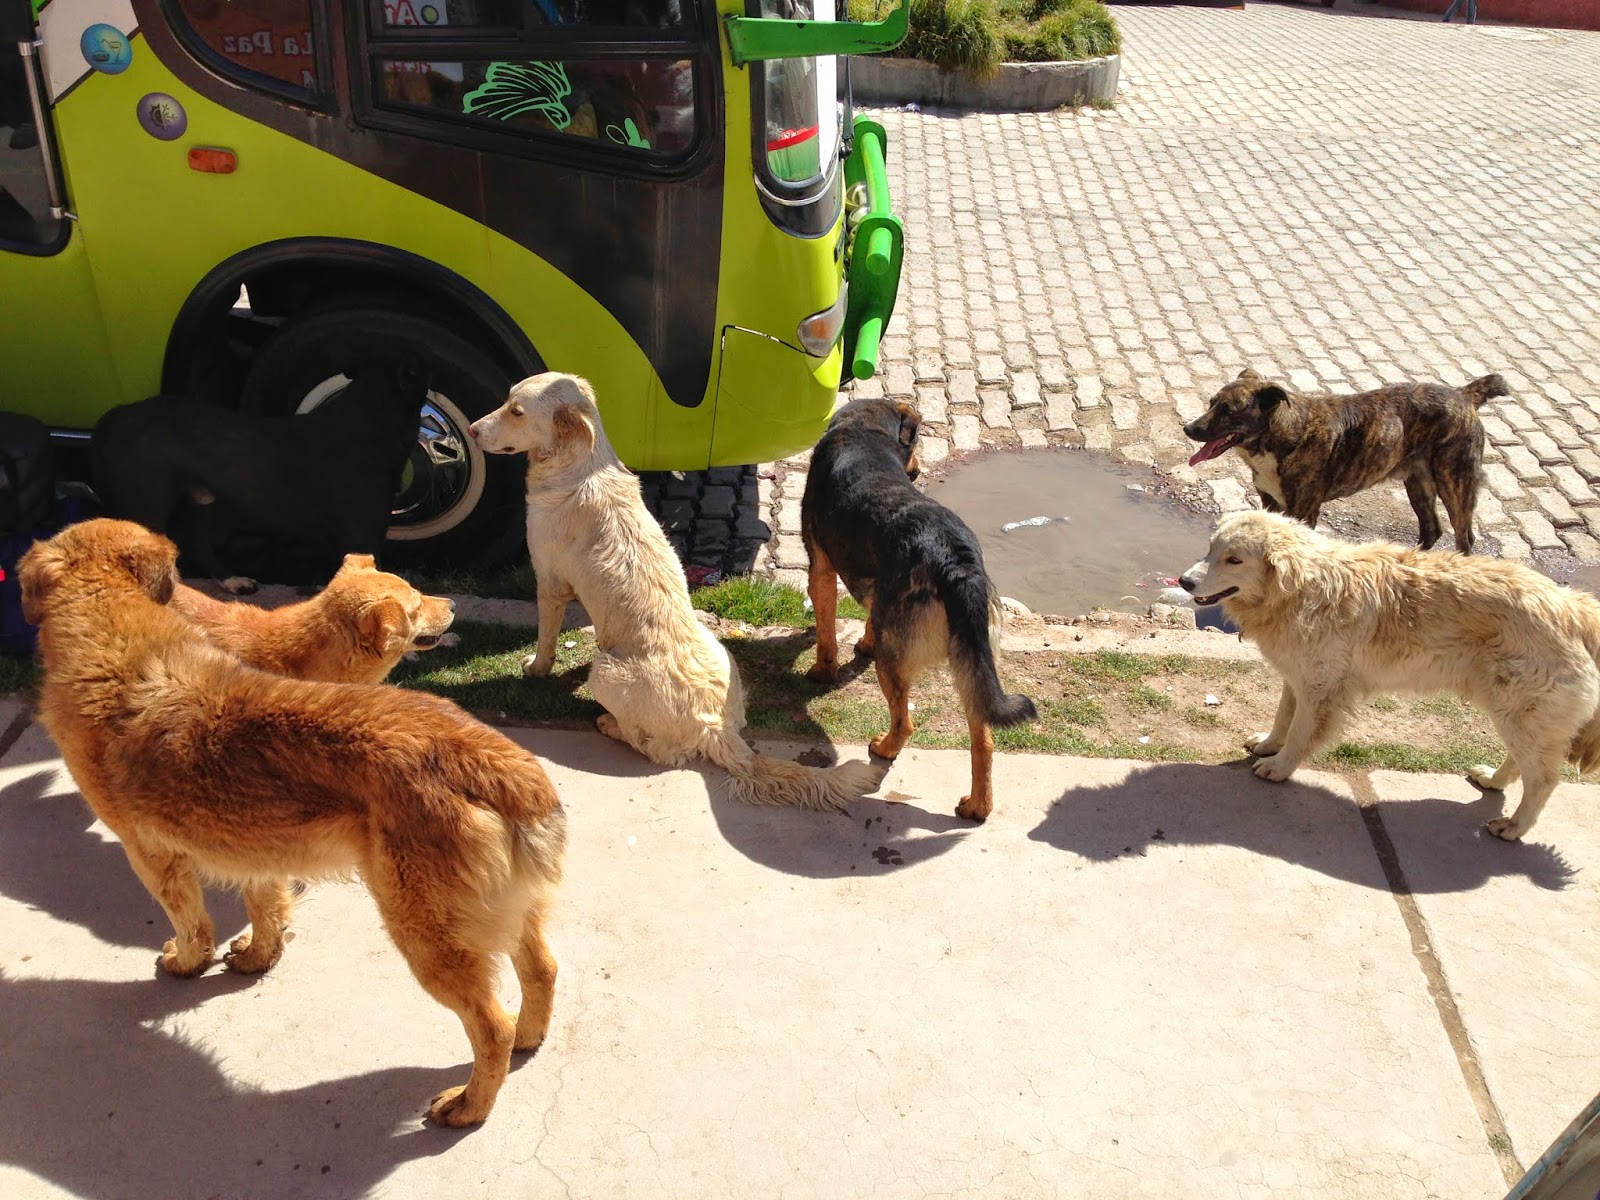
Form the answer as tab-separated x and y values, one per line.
1442	704
1151	751
1109	665
1447	760
1385	704
1122	667
1147	697
1201	718
978	35
763	602
513	582
18	674
1057	30
1073	710
484	674
753	601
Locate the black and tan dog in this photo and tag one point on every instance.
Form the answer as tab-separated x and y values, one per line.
918	570
1305	450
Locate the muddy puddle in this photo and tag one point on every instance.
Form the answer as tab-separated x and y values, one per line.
1092	534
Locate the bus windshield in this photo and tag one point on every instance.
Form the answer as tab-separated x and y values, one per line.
802	122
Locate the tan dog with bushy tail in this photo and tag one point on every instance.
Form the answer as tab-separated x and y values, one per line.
668	686
1341	622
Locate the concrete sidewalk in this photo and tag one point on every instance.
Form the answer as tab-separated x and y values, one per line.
1134	981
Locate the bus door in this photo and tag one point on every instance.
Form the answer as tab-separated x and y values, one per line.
52	338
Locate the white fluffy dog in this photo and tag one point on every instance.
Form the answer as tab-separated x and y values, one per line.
1341	621
667	685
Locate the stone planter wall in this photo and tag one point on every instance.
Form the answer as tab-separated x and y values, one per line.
1018	87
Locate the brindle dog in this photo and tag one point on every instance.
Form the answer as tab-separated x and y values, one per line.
1305	450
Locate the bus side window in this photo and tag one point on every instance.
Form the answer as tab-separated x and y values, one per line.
268	38
24	200
642	105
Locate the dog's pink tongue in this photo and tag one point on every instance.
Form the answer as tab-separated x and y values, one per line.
1210	450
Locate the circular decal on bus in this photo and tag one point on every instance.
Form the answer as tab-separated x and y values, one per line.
106	48
161	116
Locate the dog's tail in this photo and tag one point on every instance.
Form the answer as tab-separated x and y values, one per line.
972	609
756	779
1482	390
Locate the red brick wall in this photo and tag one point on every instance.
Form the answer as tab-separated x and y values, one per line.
1561	14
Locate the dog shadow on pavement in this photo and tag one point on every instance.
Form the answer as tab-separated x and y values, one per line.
54	860
105	1102
1441	845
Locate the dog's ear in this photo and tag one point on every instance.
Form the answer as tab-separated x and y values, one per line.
1290	561
358	562
39	571
910	423
1269	396
153	561
569	423
1248	375
380	627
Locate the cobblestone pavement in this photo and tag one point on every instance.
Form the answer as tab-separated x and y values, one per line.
1330	196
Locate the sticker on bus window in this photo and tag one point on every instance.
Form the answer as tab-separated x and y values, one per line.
512	90
106	49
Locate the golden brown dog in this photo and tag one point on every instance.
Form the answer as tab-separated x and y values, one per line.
668	687
204	767
353	631
1341	622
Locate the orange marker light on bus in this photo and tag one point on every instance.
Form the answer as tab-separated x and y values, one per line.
212	160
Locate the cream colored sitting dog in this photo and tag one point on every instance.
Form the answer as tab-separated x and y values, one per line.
667	685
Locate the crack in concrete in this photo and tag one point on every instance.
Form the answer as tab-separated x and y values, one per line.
1444	1001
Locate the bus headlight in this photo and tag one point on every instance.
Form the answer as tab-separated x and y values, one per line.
818	332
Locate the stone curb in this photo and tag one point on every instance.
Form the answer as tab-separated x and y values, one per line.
1017	87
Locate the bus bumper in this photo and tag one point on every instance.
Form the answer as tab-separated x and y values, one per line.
876	242
754	422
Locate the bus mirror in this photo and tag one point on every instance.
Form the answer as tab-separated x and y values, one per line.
758	39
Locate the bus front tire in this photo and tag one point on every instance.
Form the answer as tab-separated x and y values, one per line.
455	504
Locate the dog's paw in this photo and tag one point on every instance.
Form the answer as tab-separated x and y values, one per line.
448	641
239	585
185	966
883	748
823	672
974	812
865	649
535	668
1483	775
450	1109
1505	828
1261	744
247	957
1271	768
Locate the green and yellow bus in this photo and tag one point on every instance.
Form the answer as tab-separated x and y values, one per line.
229	198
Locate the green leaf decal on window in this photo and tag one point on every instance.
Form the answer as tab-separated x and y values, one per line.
627	135
510	90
